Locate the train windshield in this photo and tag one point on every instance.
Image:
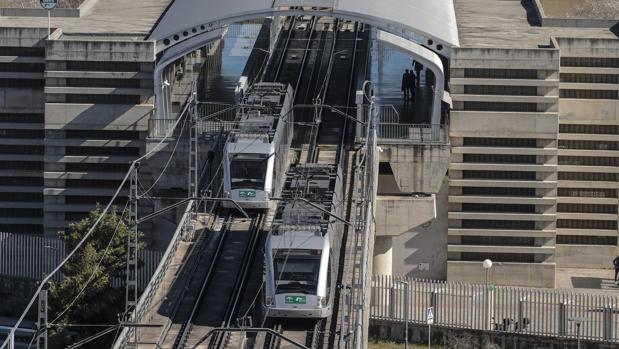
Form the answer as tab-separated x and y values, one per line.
248	173
298	274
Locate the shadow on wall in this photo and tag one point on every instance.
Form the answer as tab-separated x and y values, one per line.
532	15
615	29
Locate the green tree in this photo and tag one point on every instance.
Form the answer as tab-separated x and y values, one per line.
86	295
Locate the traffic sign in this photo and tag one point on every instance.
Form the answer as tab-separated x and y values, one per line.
48	4
430	315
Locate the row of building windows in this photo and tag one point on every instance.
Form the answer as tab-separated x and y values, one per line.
500	106
500	90
102	134
92	183
588	192
500	73
500	158
587	208
102	151
588	161
102	99
498	191
21	165
588	94
597	62
22	83
22	197
498	240
586	224
22	118
588	176
103	66
21	149
498	257
22	51
497	224
589	129
21	181
93	200
22	67
500	142
588	145
22	228
508	208
22	212
586	240
18	133
506	175
589	78
115	83
96	167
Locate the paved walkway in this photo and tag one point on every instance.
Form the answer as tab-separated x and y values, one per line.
600	279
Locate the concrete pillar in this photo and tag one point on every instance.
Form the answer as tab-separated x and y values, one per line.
383	256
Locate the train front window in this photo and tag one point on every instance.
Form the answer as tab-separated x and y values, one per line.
248	174
297	275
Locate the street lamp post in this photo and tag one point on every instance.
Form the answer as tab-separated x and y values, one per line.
487	264
579	320
405	312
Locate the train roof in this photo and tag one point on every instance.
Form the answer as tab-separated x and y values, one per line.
299	238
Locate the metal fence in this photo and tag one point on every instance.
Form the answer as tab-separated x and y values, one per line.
395	133
543	312
31	257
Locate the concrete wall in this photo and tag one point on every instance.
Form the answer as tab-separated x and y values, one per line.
417	168
585	256
421	251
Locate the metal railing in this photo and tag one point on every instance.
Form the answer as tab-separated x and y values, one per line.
528	311
395	133
147	296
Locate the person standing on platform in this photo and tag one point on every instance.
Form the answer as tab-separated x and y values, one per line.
616	264
406	78
411	85
417	67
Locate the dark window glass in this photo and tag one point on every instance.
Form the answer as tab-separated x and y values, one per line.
102	99
588	161
16	133
498	257
491	224
94	167
21	149
589	129
115	83
21	165
22	228
500	73
500	106
102	151
600	62
588	192
587	208
500	90
587	176
498	191
586	240
500	158
21	181
22	118
103	66
22	67
507	175
498	241
588	94
102	134
500	142
586	224
513	208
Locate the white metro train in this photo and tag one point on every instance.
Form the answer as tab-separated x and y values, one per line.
302	247
256	153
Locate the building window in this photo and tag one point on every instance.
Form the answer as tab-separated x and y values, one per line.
96	167
22	149
589	129
587	176
22	228
21	197
22	83
103	66
500	106
492	224
589	78
586	240
500	90
93	183
500	73
93	200
588	145
500	158
21	165
588	192
588	94
102	134
22	118
102	99
115	83
498	191
588	161
597	62
17	133
500	142
22	67
21	181
102	151
508	208
22	212
587	208
22	51
509	175
586	224
498	240
498	257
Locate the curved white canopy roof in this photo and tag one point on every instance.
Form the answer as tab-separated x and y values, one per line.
422	19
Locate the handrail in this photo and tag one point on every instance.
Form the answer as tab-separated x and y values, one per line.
147	296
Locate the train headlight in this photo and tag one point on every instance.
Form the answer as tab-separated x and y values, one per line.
226	194
322	302
268	301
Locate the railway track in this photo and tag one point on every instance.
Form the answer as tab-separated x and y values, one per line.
222	287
